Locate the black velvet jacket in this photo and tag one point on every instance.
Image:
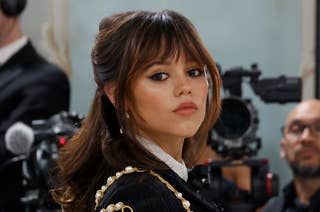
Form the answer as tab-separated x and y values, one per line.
142	191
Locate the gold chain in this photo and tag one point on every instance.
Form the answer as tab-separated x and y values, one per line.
185	203
116	207
100	193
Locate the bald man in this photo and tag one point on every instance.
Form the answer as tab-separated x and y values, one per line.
300	147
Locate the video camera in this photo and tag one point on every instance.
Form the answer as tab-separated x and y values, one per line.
234	134
49	136
234	138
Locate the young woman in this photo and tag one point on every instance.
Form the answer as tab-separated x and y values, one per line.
158	94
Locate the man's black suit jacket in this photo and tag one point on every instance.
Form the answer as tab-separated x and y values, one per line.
30	88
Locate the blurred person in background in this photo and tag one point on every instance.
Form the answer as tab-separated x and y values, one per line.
300	147
30	88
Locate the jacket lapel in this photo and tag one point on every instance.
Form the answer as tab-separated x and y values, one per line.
7	76
26	56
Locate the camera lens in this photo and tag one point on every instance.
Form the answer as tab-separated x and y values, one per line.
234	120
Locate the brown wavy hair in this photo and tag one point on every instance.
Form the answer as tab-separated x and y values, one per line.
126	43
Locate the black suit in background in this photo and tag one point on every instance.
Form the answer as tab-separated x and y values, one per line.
30	88
288	201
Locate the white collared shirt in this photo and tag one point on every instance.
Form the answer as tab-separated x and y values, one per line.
179	168
8	51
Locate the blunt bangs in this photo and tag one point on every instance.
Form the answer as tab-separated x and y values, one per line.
163	36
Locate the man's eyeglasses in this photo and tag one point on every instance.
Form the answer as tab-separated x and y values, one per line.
294	131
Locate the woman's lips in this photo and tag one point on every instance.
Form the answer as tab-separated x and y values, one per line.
186	109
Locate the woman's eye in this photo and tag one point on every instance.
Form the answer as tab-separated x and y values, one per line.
159	76
195	72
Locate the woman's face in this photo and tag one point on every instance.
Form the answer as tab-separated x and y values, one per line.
170	97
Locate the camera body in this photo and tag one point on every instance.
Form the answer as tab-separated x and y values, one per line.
234	134
208	180
40	162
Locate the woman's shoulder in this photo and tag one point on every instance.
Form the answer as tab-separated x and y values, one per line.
138	190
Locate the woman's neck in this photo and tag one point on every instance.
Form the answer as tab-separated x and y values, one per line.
172	146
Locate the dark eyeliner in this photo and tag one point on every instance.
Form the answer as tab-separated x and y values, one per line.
200	72
157	76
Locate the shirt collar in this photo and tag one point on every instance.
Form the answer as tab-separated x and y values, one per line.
179	168
8	51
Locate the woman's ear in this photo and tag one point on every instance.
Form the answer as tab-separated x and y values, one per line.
109	91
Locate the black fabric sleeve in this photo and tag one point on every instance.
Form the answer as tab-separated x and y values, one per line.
43	99
147	196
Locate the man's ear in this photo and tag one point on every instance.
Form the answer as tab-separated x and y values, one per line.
282	152
109	91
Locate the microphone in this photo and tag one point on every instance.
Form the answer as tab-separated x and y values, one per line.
19	138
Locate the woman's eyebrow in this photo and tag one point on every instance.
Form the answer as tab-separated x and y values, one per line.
192	62
168	62
157	62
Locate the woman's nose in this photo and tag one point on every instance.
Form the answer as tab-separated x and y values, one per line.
183	86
